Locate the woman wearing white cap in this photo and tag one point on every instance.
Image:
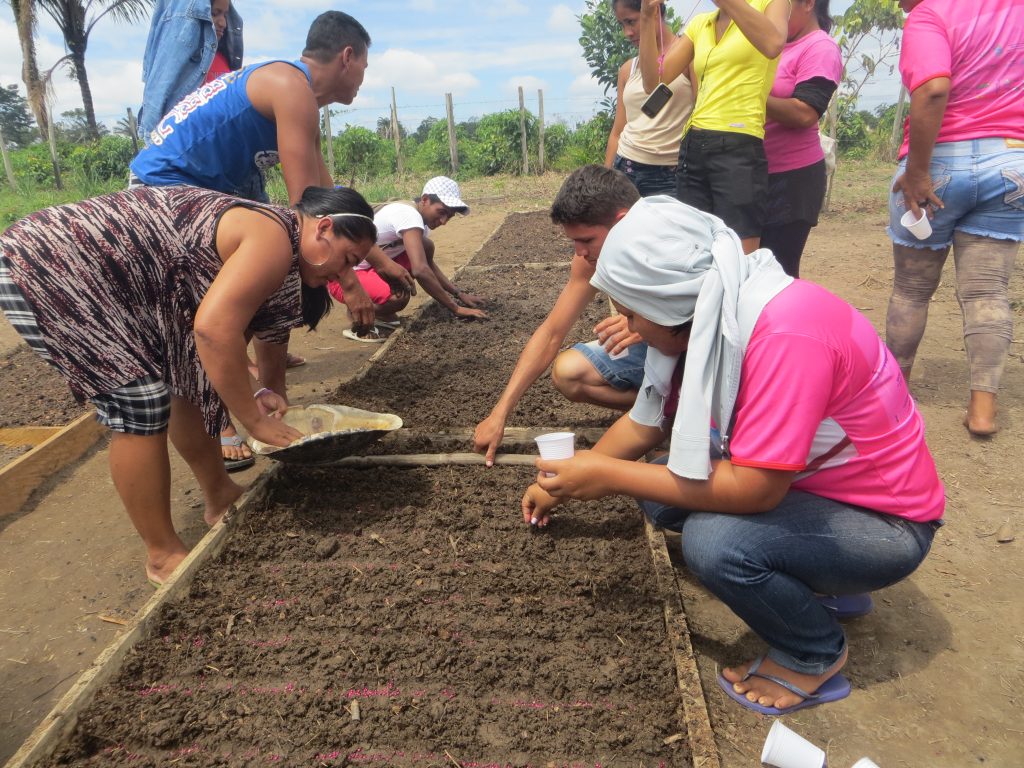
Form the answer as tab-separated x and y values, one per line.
403	235
797	465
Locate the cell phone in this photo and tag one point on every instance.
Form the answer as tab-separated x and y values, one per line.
657	100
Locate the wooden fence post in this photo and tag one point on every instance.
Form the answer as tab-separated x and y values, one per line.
896	139
133	129
540	130
7	163
330	141
522	132
453	144
52	136
396	132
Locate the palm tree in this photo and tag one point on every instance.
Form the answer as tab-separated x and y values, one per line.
25	20
76	20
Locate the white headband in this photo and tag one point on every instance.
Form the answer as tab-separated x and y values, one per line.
332	215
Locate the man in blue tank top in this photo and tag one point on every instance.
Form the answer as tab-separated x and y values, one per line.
225	134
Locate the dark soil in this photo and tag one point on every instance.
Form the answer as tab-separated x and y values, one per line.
525	238
420	597
445	374
32	393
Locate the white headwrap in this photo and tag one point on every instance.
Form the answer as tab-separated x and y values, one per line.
670	263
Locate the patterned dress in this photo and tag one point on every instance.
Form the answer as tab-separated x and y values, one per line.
115	283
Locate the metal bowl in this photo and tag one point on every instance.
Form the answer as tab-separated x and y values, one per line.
332	432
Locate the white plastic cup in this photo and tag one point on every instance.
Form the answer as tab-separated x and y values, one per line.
787	749
865	762
921	228
556	445
620	354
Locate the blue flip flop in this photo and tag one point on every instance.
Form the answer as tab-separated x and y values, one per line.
833	689
848	606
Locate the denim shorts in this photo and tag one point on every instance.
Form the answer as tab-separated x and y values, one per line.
980	183
648	179
623	374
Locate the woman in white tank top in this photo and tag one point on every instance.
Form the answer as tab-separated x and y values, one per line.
646	148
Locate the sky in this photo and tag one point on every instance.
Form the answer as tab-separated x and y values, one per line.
479	52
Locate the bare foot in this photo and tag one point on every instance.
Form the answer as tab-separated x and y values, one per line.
220	501
980	419
769	694
160	567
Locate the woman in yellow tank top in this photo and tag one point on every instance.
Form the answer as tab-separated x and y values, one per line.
733	53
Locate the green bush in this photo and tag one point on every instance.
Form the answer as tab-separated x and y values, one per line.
101	160
361	154
498	146
587	143
33	163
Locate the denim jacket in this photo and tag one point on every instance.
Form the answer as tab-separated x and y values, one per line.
179	52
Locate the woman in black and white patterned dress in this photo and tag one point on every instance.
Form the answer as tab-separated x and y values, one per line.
145	299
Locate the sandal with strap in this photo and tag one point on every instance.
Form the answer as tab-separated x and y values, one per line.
234	465
835	688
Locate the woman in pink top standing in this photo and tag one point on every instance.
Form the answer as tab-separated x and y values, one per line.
809	73
962	164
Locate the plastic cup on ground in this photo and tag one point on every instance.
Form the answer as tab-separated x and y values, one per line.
865	762
787	749
556	445
921	228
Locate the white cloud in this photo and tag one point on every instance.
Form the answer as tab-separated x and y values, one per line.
506	9
415	73
529	83
563	20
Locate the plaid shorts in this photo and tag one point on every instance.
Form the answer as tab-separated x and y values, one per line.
17	310
141	407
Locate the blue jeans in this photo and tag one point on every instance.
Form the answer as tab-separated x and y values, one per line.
648	179
981	185
767	567
622	374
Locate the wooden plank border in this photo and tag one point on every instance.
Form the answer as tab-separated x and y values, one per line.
25	474
703	748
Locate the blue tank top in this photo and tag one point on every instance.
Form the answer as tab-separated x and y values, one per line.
214	138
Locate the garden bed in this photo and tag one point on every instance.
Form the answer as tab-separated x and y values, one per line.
419	601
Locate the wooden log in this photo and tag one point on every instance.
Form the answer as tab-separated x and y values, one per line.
433	460
22	476
63	717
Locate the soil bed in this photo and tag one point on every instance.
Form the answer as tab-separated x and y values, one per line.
444	374
33	394
9	453
419	597
525	238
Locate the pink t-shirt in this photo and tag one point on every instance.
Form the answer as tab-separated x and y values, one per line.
813	55
821	395
979	45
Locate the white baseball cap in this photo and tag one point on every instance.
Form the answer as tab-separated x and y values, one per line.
447	191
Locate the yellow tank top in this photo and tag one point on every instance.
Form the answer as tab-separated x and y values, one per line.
734	78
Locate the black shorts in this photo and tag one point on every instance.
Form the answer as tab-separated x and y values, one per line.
725	174
796	195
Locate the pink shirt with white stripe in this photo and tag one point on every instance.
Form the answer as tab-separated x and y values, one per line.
821	395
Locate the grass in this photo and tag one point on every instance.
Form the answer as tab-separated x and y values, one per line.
858	186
